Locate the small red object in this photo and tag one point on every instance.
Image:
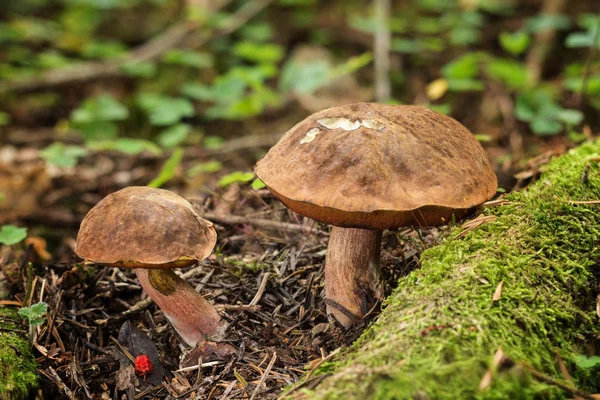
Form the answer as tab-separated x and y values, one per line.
143	365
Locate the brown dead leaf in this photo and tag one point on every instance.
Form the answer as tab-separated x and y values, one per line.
486	381
39	246
498	291
474	224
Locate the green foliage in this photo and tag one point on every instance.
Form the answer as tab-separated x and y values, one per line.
96	118
174	135
585	362
168	170
515	43
258	184
10	234
146	69
588	38
17	363
165	110
188	58
4	119
544	115
207	167
234	177
125	145
35	313
63	155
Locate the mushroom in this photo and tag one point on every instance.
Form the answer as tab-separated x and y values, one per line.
154	231
367	167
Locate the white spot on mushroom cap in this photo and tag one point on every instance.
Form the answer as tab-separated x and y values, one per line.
310	135
343	123
346	124
373	124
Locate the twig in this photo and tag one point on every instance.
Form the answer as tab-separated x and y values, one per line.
264	376
59	382
195	367
548	379
260	223
583	201
261	289
321	361
137	307
382	51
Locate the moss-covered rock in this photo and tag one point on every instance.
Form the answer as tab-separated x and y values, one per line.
439	330
17	364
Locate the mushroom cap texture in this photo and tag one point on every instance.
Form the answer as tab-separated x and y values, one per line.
378	166
142	227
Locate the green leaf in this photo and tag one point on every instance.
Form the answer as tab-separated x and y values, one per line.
168	170
463	67
10	234
174	135
570	117
304	77
97	130
35	313
2	196
587	362
165	110
207	167
101	108
129	146
258	52
515	43
465	85
353	64
545	126
580	39
198	91
406	46
258	184
4	118
237	176
257	32
63	155
102	50
511	73
524	110
145	69
592	85
39	308
548	22
444	108
188	58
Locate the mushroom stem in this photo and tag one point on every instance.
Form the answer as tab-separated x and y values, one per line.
352	273
194	318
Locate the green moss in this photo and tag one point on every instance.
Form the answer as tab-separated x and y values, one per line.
17	365
440	329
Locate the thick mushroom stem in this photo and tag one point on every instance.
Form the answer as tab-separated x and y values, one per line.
194	318
352	273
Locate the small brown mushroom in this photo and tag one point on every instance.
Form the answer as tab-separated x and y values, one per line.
367	167
154	231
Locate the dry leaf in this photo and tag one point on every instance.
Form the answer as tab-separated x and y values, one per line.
498	292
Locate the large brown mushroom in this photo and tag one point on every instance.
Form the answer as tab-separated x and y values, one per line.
367	167
154	231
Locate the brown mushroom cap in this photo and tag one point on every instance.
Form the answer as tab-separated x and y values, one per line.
142	227
378	166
